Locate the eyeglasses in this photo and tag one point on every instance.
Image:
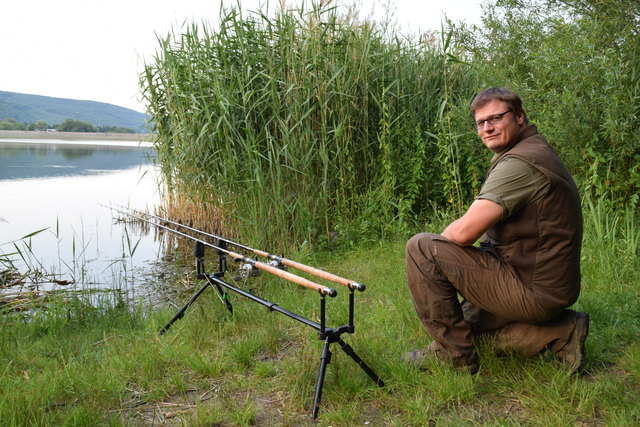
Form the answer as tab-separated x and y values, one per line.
493	120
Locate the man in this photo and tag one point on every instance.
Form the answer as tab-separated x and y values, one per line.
518	284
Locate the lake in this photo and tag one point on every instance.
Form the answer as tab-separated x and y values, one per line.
63	187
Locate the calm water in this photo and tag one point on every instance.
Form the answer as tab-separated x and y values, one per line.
62	187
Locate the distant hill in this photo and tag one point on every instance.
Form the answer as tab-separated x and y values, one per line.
29	108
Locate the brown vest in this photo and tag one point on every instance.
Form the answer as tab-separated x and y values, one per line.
543	240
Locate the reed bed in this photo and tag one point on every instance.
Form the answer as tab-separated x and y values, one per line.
187	211
316	126
309	124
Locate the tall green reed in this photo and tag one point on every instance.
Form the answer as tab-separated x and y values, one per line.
303	124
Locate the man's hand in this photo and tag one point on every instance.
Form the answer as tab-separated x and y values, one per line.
480	216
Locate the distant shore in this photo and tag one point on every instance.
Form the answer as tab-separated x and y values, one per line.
76	136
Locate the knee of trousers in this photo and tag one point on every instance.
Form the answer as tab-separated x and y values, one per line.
421	246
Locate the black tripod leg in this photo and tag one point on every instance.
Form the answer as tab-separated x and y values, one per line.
180	312
223	295
325	359
347	349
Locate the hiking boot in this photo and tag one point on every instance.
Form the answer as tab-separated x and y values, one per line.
572	354
436	351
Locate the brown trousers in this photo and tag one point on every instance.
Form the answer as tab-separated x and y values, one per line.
495	300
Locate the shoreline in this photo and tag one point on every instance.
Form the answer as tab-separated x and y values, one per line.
9	137
75	136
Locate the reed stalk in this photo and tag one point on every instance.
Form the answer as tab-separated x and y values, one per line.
301	126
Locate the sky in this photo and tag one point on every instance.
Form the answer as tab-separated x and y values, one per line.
95	49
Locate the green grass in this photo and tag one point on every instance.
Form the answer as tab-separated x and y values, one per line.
81	365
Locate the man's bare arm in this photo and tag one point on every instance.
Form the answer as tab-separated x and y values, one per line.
480	216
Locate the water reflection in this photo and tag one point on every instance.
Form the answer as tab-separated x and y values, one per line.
42	160
62	188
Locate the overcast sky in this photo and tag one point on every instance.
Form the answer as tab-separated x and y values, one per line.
94	50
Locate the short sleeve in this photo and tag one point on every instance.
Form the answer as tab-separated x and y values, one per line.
514	183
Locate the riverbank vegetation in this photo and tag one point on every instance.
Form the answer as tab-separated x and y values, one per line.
85	364
318	126
69	125
333	139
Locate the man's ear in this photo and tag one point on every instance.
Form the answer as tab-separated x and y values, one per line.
520	117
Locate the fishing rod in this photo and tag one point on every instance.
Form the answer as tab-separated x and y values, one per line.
323	290
351	284
328	334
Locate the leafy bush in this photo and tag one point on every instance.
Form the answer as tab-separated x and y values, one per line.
71	125
11	124
576	64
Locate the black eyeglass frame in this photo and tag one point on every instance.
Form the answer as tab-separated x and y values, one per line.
493	120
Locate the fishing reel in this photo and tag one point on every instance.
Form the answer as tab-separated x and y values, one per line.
277	264
247	270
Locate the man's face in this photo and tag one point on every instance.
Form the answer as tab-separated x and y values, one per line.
498	135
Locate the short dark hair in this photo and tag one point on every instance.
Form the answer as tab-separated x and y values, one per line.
500	93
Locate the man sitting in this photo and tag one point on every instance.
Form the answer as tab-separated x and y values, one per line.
526	272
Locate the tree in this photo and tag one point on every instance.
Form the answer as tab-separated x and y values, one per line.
11	124
71	125
115	129
39	125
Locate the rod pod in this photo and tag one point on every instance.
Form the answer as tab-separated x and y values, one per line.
328	335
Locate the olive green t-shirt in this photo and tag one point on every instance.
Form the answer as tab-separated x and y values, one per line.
513	184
